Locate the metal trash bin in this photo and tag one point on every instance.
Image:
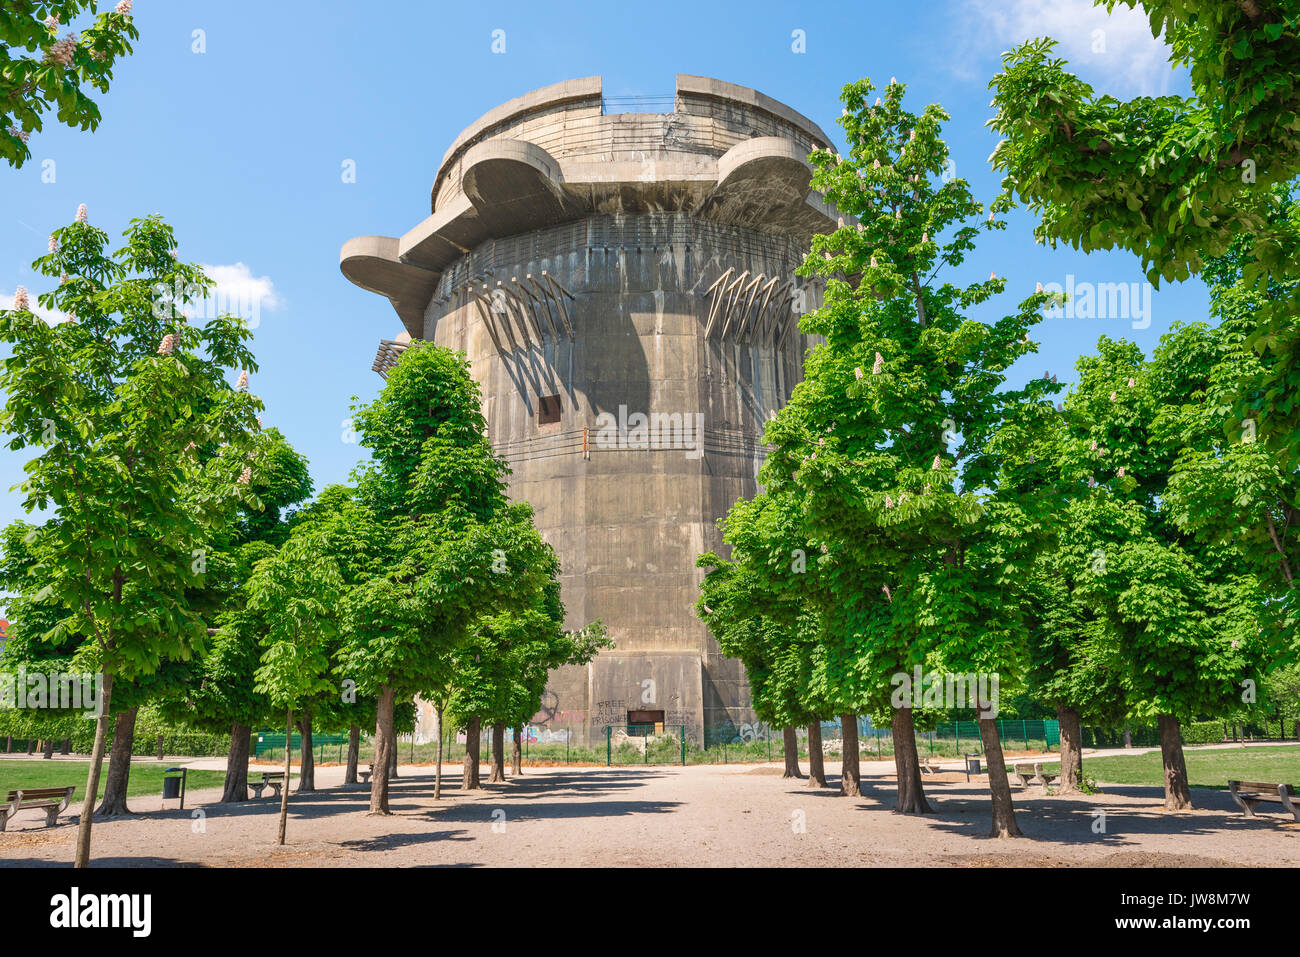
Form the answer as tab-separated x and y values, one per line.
972	764
174	784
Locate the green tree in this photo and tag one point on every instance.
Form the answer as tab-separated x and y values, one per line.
118	403
1179	181
296	593
1171	179
1233	482
1067	669
1176	620
1282	688
344	536
57	73
31	616
221	697
887	439
458	547
499	675
778	640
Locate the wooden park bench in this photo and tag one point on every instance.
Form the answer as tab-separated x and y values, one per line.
273	779
1249	793
1027	774
53	801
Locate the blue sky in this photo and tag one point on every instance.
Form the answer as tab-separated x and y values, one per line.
241	147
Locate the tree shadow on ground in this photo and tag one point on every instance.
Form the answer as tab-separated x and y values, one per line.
389	842
525	798
966	810
482	812
406	795
97	862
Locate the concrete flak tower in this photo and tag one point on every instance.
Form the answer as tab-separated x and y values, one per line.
623	285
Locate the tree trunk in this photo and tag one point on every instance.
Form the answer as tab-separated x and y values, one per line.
160	748
392	753
284	791
517	757
816	760
119	766
66	747
82	858
9	744
385	745
236	785
354	754
1004	814
47	749
437	777
31	745
470	780
907	765
498	754
307	756
1071	750
1178	796
1128	738
790	745
849	773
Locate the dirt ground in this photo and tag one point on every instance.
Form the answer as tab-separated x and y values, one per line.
666	816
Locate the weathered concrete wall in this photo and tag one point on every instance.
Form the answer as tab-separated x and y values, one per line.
633	265
628	523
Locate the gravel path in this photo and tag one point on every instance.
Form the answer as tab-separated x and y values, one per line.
665	816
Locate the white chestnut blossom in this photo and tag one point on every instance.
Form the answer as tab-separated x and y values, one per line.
63	51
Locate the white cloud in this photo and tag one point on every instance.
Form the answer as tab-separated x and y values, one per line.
237	284
50	316
1115	52
236	291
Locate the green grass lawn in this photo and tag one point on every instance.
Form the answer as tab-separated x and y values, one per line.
1205	769
146	777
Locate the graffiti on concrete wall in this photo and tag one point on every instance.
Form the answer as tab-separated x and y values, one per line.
610	712
535	735
758	731
683	717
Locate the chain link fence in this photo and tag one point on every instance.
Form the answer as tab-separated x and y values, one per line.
612	745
